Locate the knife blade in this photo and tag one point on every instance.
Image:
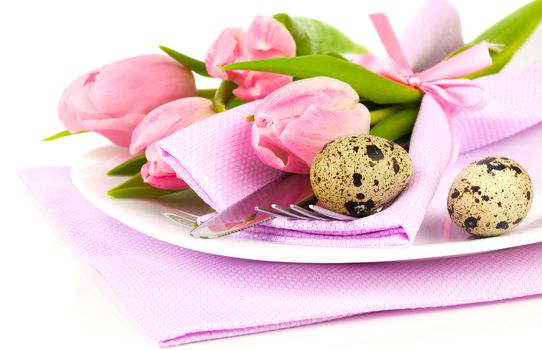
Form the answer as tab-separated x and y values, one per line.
287	189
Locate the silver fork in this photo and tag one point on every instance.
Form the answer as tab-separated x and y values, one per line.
295	212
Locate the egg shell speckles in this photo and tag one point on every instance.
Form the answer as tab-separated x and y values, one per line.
357	175
490	196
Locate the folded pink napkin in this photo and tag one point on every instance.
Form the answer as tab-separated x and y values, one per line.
180	296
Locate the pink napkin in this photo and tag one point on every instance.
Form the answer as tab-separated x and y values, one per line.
179	296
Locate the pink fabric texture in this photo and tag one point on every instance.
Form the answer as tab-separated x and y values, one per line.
514	104
179	296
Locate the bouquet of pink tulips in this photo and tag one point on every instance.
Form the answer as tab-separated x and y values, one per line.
315	85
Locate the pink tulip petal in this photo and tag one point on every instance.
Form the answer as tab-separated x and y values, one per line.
271	153
74	104
140	84
117	130
293	123
305	136
293	99
77	95
169	118
225	49
166	182
68	117
256	85
113	99
118	137
266	38
157	166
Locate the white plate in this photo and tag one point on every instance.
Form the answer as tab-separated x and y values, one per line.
437	237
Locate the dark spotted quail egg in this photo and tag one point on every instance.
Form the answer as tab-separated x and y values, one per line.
490	196
358	175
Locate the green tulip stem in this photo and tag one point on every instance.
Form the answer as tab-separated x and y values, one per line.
396	125
222	95
206	93
379	114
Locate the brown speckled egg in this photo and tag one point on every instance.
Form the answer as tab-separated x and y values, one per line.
490	196
357	175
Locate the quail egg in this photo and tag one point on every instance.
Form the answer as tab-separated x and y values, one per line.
358	174
490	196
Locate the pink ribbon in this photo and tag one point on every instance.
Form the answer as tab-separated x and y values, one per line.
439	79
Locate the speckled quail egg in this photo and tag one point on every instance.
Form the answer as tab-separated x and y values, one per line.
490	196
358	174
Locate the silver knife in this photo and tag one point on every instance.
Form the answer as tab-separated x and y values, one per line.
287	189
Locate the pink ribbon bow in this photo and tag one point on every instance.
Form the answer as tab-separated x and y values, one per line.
438	80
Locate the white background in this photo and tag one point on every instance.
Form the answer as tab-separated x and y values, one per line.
45	300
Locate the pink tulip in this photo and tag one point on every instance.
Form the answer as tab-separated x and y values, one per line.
226	49
157	125
293	123
265	38
113	99
158	174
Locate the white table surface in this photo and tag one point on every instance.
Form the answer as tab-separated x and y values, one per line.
46	300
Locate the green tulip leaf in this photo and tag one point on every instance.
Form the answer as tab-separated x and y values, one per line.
313	37
396	126
234	102
191	63
129	167
366	83
61	134
136	188
511	32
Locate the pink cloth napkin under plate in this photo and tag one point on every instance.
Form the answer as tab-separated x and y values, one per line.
180	296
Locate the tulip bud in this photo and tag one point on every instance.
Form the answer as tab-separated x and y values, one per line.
293	123
113	99
265	38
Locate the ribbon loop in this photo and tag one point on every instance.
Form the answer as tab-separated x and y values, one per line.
439	89
391	42
438	79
